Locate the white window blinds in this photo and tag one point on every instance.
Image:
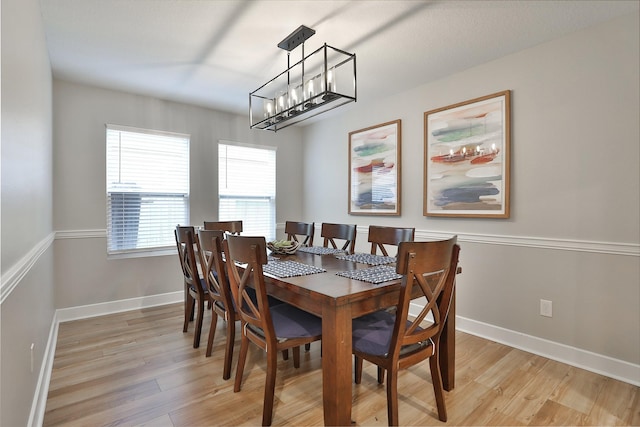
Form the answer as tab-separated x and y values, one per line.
147	188
247	188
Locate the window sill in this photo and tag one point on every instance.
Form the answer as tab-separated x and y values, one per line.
144	253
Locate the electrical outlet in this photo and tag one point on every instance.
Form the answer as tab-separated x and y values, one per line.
546	308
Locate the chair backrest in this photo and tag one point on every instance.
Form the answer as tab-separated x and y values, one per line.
251	251
431	266
233	227
188	245
294	229
212	262
380	236
346	232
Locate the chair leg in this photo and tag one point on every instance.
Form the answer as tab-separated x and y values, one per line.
296	357
270	387
212	333
392	397
228	353
380	375
198	331
189	306
242	357
436	379
358	369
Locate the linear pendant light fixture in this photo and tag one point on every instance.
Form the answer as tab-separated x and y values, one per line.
319	82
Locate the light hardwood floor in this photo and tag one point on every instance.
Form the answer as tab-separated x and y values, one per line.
138	368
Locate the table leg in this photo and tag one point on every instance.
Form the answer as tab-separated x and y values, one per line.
336	365
448	347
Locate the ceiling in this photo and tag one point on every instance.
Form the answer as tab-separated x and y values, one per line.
214	52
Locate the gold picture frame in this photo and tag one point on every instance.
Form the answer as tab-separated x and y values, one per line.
467	158
374	169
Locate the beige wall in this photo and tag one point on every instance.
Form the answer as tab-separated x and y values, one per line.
80	115
27	311
575	195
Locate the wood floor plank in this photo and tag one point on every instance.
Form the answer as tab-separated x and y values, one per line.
579	390
555	414
615	404
139	369
529	399
513	363
161	421
107	401
475	364
635	416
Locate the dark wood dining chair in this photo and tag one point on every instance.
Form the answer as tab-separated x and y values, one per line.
346	232
392	236
213	267
294	229
188	314
272	329
214	271
392	340
196	289
233	227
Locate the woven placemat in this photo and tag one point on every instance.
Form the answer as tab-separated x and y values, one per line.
377	274
290	269
319	250
368	259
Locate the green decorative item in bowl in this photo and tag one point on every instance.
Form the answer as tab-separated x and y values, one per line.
283	247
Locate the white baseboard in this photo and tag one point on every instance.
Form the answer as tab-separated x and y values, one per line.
111	307
39	404
598	363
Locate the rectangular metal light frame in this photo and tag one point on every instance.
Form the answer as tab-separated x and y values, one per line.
290	98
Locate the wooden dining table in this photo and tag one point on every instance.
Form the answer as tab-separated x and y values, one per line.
337	300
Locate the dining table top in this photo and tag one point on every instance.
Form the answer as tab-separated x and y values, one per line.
327	285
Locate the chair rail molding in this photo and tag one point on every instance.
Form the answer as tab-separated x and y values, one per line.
81	234
611	248
12	277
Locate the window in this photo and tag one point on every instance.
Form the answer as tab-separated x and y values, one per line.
147	188
247	188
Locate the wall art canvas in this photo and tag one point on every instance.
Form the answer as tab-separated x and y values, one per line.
466	165
374	170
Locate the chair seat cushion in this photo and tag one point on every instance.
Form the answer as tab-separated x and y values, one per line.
291	322
372	334
203	284
219	304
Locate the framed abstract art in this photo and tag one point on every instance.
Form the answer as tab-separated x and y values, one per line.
466	160
374	170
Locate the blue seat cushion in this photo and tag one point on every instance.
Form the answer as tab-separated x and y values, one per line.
291	322
203	284
372	334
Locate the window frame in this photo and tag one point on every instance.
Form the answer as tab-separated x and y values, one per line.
271	198
147	251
